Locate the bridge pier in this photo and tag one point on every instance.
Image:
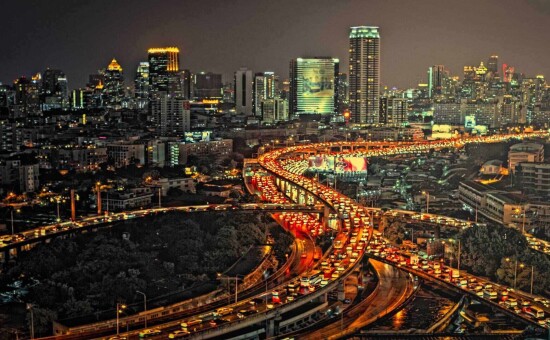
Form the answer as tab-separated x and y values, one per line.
341	290
272	326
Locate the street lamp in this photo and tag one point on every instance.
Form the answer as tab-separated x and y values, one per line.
144	305
12	229
29	307
459	246
427	194
522	213
532	277
515	271
227	278
120	307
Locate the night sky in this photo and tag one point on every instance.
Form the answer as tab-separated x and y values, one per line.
81	36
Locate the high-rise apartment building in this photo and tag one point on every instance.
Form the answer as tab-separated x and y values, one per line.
171	115
164	65
243	91
343	93
364	74
313	85
393	111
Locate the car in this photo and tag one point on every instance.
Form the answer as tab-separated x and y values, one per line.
149	332
178	334
217	322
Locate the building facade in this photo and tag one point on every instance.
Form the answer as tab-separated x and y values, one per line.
313	85
244	84
364	74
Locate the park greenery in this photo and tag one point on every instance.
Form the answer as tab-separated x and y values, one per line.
157	255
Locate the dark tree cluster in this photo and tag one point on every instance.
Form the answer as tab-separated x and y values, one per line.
92	272
492	251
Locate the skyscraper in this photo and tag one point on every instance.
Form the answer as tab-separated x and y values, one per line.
266	86
54	93
436	80
364	74
492	64
113	90
187	88
343	93
171	116
141	85
164	65
313	85
207	85
243	91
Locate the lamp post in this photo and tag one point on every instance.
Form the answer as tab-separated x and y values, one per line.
119	308
144	305
29	307
12	228
236	277
58	214
427	200
515	271
532	277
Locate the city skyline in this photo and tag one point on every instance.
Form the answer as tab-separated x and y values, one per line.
116	31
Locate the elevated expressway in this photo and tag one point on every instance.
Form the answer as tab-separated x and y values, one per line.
12	244
352	218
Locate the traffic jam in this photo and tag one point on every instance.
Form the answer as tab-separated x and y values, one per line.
529	307
353	230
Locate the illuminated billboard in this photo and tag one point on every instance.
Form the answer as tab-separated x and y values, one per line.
350	164
314	85
197	136
339	165
321	163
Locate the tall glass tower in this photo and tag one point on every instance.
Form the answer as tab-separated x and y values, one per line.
313	85
364	74
164	65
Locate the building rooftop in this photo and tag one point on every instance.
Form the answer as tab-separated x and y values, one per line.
526	147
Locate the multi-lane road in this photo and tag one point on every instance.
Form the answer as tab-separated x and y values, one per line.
353	235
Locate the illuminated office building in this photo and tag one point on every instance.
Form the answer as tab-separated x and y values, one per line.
437	77
492	64
141	85
207	85
266	86
113	89
364	74
54	93
164	68
313	85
